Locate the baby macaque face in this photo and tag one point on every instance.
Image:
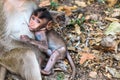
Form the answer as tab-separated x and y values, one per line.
36	23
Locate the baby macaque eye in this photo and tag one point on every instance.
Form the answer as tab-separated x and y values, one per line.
33	18
38	21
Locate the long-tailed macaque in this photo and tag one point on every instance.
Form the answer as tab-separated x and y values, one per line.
47	40
16	56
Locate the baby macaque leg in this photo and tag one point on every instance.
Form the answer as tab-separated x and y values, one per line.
56	55
2	73
51	62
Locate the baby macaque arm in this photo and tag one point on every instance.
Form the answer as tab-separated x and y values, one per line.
40	44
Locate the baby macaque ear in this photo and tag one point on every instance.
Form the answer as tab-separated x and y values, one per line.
49	25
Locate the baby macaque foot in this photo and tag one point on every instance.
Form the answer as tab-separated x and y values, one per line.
45	72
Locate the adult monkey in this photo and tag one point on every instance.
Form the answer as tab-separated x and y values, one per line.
16	56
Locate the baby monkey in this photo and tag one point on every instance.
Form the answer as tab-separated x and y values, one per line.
47	39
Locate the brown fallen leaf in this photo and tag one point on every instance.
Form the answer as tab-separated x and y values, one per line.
111	2
44	3
93	74
71	48
116	12
77	29
112	19
67	9
115	73
80	3
86	56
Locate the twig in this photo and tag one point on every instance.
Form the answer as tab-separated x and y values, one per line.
88	38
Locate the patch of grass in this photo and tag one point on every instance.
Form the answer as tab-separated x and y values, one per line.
79	22
93	21
60	76
53	4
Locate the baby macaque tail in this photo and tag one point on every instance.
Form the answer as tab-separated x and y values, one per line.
72	65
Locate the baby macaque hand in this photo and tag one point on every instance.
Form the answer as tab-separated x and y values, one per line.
25	38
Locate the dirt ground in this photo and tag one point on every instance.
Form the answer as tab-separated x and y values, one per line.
91	23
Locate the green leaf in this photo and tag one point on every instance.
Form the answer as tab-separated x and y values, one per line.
60	76
53	4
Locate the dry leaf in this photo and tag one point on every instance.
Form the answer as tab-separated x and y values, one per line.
108	41
112	19
44	3
67	9
86	49
113	28
95	51
98	39
111	2
71	48
87	17
77	29
108	75
80	16
80	3
116	13
117	56
115	73
93	74
86	56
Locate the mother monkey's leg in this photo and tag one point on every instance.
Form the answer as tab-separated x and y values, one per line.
22	61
